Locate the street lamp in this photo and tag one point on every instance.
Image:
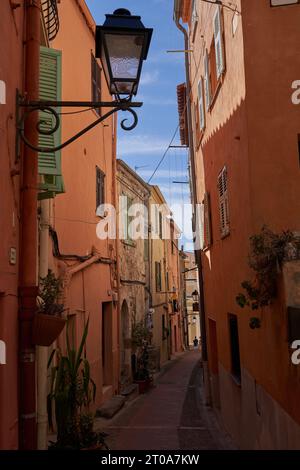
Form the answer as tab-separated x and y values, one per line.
122	44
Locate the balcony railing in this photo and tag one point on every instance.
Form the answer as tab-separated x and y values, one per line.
51	18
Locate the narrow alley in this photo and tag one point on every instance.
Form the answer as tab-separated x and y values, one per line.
171	416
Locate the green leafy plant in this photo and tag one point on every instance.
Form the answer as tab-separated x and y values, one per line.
139	334
267	253
142	372
49	292
72	390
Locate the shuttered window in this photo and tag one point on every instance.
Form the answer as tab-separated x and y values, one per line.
223	202
100	191
49	164
126	203
96	82
158	276
207	221
194	19
218	37
207	81
201	105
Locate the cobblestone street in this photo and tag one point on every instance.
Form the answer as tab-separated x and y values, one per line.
171	416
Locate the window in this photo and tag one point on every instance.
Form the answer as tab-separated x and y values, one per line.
158	277
201	105
223	202
234	347
207	221
207	81
100	193
194	18
146	242
160	225
96	82
126	203
167	282
218	37
172	239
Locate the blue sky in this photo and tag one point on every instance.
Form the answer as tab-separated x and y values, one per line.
158	118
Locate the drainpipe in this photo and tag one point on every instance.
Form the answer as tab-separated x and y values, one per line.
194	202
116	203
41	351
28	237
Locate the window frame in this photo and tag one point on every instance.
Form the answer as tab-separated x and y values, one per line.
96	89
222	185
100	190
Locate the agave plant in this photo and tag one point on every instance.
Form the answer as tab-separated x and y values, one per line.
72	390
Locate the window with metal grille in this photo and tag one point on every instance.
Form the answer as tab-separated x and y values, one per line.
96	82
223	202
234	347
100	191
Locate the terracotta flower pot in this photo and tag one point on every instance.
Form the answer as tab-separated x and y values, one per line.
46	328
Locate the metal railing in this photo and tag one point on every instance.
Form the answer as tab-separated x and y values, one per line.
51	18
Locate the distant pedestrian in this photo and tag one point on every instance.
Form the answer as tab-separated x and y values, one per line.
196	342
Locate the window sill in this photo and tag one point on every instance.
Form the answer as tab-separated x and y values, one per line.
217	90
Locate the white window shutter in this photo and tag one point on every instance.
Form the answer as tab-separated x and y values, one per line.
199	227
201	105
207	81
218	42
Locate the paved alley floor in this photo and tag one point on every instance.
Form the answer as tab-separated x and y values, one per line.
171	416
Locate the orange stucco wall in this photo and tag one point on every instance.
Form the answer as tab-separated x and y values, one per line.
74	213
252	128
11	72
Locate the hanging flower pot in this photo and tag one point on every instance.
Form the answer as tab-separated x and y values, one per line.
46	329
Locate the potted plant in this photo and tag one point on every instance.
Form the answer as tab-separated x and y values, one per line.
48	322
142	376
72	390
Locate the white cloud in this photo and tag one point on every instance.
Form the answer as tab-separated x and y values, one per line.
141	145
157	101
147	78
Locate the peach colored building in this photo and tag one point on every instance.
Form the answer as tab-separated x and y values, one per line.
245	131
11	78
87	264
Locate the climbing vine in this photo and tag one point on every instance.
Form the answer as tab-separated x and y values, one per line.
268	250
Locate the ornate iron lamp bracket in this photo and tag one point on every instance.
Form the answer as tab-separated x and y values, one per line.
50	107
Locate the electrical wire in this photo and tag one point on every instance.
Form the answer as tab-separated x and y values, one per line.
188	99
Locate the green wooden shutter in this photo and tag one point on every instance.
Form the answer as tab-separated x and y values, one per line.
50	89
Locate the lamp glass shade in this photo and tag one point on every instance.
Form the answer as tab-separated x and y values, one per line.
122	43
